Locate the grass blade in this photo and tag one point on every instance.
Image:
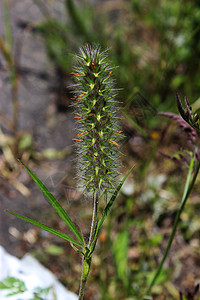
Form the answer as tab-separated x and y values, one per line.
49	229
107	208
56	205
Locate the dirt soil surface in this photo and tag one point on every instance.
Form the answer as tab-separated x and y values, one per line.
38	115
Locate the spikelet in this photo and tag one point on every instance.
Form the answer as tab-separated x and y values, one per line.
97	121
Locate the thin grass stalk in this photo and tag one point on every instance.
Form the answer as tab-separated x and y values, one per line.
15	102
6	49
7	24
43	8
188	188
94	218
83	282
87	260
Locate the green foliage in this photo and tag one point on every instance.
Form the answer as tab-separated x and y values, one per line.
175	39
107	209
120	251
13	284
152	66
59	210
56	205
42	292
56	41
81	24
16	286
54	250
26	142
49	229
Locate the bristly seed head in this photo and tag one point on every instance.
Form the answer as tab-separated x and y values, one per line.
97	123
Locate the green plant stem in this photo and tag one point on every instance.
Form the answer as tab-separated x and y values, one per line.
85	271
94	218
15	102
87	254
188	188
82	289
7	24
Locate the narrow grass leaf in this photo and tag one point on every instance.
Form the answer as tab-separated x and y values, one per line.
56	205
108	207
49	229
120	251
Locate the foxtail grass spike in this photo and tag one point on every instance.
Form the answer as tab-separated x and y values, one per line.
97	121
